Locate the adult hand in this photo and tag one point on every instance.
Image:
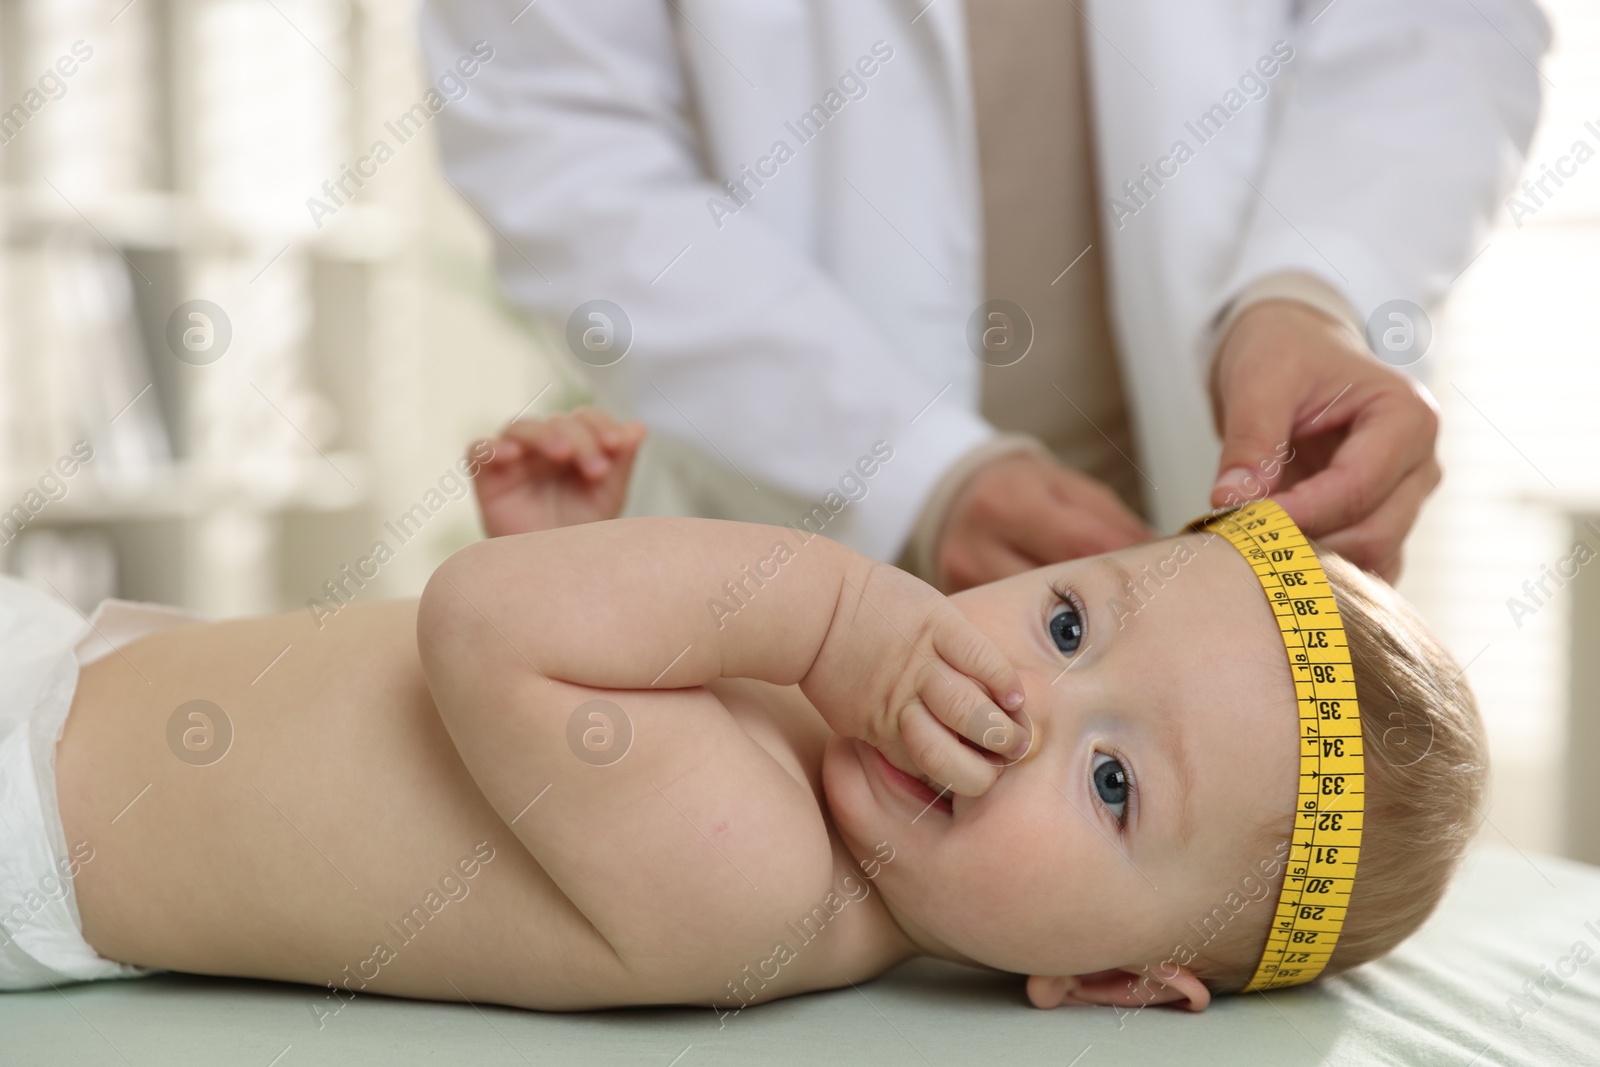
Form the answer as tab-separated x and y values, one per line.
1342	441
1022	511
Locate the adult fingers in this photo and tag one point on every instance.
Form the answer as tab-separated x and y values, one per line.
1089	493
1391	436
973	554
1070	531
1022	512
1375	543
1068	516
1258	415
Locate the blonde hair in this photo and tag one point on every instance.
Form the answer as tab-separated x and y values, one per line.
1426	773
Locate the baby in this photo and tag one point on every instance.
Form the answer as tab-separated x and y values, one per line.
610	762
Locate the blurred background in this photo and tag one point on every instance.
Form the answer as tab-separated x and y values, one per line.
266	382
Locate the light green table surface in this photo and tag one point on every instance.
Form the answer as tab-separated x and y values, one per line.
1440	999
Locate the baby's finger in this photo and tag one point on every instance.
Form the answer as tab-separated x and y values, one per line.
943	758
563	439
502	450
588	454
632	434
963	646
960	705
603	426
623	462
540	436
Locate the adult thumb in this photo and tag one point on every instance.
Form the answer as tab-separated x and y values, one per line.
1257	420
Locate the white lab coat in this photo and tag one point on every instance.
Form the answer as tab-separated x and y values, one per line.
830	311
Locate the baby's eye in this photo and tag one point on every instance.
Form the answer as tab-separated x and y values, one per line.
1111	782
1066	628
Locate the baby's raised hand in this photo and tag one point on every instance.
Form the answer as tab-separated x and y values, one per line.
904	670
559	471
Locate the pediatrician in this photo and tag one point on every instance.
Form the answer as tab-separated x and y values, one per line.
1040	254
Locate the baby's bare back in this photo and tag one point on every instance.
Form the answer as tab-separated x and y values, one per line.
339	838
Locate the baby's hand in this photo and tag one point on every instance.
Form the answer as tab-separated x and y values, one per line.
560	471
904	670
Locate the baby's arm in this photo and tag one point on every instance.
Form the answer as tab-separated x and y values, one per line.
694	844
611	604
674	603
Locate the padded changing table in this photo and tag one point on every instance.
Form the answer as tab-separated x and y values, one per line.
1442	998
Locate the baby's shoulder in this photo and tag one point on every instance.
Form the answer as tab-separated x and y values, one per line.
783	723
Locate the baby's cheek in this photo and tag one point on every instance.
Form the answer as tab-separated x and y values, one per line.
849	799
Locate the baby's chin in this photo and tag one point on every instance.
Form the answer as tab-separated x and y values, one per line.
847	794
953	929
862	823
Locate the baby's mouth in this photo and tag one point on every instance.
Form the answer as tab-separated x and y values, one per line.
919	786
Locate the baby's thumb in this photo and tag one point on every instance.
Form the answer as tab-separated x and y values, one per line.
622	462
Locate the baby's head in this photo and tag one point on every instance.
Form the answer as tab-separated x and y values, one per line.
1136	853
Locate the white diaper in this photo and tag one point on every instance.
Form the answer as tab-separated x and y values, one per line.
43	642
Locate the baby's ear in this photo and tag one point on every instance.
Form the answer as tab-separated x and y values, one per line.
1122	986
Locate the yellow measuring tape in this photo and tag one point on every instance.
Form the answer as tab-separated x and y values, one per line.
1326	844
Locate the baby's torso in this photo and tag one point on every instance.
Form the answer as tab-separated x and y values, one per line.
267	799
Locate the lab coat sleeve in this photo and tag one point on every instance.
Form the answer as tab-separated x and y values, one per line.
576	144
1404	124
